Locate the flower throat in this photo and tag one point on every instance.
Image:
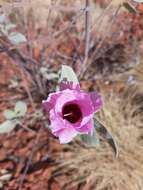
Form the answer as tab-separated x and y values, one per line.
72	113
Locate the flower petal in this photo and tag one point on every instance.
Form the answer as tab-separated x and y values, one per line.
86	119
96	101
58	123
69	85
66	135
70	93
78	97
56	126
51	100
66	96
87	128
85	104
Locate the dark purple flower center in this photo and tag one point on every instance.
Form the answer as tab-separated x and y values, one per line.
72	113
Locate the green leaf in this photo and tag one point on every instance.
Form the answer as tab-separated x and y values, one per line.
8	126
20	109
68	74
9	114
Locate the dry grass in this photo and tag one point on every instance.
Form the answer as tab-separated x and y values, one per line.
97	168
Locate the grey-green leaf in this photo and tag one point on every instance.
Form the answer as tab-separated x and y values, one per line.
2	18
106	135
89	140
17	38
68	74
20	109
7	126
139	1
10	26
9	114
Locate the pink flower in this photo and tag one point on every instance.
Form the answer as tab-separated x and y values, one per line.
71	111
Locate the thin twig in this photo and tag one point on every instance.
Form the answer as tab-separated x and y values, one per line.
30	159
69	25
73	43
107	32
87	29
27	89
84	68
23	61
101	17
87	33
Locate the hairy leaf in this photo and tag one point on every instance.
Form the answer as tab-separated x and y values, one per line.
9	114
105	135
8	126
2	18
92	141
68	74
10	26
16	38
20	109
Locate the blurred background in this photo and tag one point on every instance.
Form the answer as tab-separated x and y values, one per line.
102	40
